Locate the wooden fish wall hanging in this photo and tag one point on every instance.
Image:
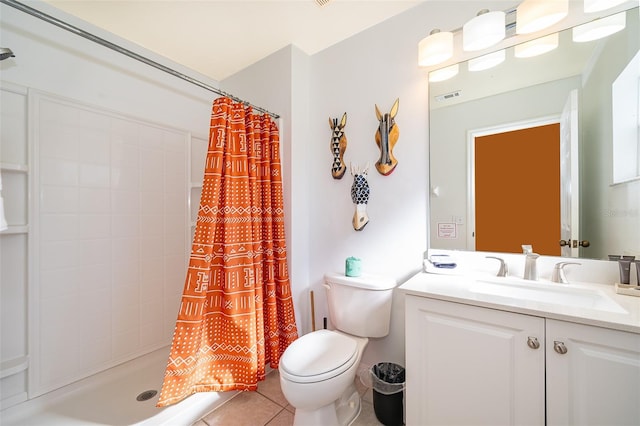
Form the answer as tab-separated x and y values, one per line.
338	146
386	138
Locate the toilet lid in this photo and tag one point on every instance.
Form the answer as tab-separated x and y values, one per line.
321	353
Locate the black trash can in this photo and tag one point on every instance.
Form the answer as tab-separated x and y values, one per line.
388	393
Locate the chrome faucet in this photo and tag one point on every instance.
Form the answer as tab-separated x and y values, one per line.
504	269
530	270
558	275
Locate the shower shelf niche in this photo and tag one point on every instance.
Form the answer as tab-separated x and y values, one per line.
13	366
10	167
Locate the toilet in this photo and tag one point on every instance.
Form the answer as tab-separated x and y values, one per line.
317	371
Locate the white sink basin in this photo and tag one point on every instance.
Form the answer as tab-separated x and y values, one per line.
557	294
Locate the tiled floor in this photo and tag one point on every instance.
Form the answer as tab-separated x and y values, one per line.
268	406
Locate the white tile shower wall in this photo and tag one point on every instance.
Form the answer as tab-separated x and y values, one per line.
13	245
13	310
111	241
199	148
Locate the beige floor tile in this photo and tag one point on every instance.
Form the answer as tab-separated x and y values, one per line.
284	418
367	416
245	409
368	396
270	388
265	407
360	387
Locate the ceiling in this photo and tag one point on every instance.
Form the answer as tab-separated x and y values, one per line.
218	38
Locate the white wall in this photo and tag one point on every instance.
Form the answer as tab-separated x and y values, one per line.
287	94
374	67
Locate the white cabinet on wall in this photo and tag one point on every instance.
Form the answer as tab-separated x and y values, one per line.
471	365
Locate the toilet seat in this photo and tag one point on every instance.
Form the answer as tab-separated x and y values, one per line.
318	356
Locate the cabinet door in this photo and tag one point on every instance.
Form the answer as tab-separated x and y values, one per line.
472	366
597	380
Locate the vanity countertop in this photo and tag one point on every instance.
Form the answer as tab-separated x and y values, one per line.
461	289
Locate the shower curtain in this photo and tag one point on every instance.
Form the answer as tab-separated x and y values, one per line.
236	313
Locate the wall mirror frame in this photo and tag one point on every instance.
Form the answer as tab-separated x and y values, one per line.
522	90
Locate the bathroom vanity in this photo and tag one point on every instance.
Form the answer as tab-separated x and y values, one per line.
507	351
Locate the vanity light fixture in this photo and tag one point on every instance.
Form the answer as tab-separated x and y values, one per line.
484	30
536	47
591	6
437	47
443	73
600	28
535	15
487	61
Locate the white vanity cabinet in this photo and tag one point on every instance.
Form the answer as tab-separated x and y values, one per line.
469	365
597	380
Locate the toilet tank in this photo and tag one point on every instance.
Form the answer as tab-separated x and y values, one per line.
360	306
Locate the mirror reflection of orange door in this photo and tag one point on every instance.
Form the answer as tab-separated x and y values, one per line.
517	190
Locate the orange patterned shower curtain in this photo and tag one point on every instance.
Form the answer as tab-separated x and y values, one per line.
236	313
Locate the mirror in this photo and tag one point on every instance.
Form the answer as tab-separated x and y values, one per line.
597	84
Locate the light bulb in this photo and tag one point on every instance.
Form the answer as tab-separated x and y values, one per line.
536	47
487	61
443	73
600	28
483	31
437	47
535	15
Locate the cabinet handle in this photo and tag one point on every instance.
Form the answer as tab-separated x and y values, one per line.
559	347
533	343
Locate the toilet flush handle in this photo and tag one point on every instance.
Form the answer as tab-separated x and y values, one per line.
327	286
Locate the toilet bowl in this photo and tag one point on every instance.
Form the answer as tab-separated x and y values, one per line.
318	370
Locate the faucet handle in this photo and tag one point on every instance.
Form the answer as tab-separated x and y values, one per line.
504	269
558	275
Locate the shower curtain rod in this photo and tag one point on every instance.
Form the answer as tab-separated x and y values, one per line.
66	26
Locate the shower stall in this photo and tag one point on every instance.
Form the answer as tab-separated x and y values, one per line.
101	160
